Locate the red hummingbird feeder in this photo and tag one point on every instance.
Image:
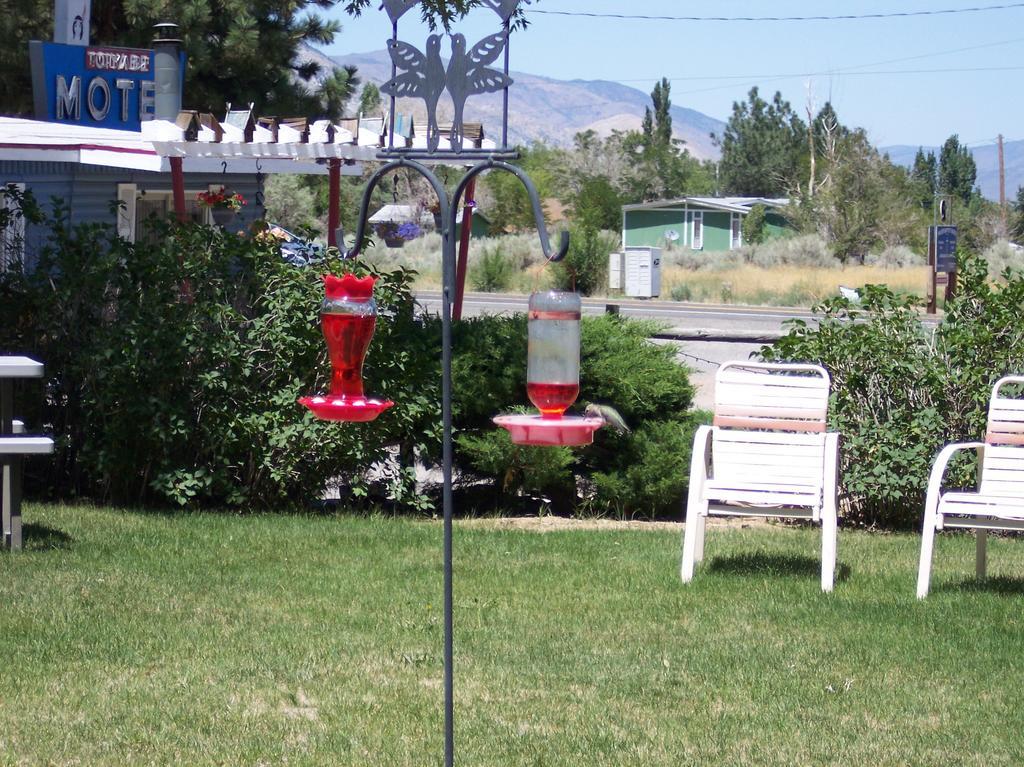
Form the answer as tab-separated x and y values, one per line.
348	317
552	375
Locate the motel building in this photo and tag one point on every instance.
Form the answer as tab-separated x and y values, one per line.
110	142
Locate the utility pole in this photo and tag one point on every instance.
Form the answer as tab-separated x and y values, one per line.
1002	186
810	140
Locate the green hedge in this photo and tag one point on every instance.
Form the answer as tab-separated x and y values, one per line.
901	390
173	370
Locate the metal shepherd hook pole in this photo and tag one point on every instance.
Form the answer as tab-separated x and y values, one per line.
449	212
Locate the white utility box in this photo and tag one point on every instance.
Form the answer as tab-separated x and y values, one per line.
643	272
616	263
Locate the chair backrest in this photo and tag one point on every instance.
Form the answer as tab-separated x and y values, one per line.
771	395
771	422
1002	471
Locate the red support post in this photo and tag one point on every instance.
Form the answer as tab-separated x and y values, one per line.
178	187
333	203
467	230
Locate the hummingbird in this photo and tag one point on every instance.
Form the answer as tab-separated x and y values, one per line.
468	75
421	76
609	415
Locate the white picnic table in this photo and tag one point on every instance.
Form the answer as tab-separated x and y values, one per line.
14	444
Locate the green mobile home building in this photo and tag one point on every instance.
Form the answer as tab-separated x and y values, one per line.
700	223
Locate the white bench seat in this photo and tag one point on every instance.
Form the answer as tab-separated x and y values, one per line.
762	493
1001	506
25	445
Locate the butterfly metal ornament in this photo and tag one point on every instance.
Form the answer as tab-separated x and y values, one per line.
504	8
421	76
397	8
469	75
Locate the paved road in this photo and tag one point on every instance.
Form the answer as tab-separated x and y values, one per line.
739	331
689	320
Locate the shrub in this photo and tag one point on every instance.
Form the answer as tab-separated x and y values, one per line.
173	373
681	293
900	391
1001	256
173	370
753	225
803	250
642	473
492	273
894	257
585	267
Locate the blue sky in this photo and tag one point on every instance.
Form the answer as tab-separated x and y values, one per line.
712	64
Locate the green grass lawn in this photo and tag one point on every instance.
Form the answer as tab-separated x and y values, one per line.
213	639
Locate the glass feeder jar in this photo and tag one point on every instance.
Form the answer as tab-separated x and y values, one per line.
348	317
553	357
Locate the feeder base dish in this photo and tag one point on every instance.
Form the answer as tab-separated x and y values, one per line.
537	430
331	408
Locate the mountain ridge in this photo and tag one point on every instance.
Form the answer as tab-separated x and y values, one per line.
547	109
554	111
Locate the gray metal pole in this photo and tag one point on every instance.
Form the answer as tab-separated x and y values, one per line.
448	278
449	212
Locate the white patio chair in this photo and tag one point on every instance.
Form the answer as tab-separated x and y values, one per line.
998	503
767	454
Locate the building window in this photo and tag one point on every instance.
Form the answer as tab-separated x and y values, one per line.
697	239
160	203
12	227
737	232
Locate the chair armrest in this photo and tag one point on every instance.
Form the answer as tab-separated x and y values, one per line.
701	455
831	478
699	463
939	471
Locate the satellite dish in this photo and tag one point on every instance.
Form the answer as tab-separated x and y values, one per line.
671	235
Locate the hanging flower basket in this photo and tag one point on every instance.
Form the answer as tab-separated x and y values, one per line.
224	204
395	235
223	216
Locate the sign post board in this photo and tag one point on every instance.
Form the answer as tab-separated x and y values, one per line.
945	248
942	242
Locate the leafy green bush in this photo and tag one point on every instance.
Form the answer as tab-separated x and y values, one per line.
900	391
174	370
643	473
492	272
585	267
754	225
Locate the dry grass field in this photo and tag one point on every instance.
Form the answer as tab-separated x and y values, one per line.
783	285
793	273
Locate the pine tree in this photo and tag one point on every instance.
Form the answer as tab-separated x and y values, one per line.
1017	226
957	171
923	176
763	147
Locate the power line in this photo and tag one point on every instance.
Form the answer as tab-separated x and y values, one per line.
842	17
837	70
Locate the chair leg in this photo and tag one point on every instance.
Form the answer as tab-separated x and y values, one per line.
980	552
691	535
829	541
15	504
924	570
702	524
